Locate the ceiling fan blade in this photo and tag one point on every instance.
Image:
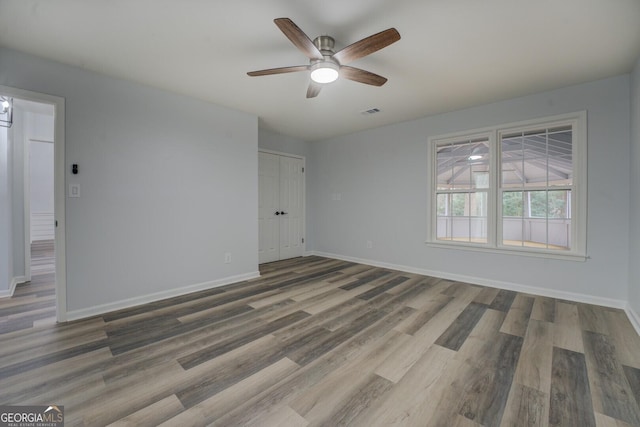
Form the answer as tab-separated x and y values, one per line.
313	90
298	38
367	46
362	76
280	70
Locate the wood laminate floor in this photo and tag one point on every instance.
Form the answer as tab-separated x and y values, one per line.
316	341
33	303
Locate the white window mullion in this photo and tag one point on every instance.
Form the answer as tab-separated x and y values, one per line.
547	191
494	217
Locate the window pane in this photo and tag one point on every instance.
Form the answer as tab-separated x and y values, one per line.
443	228
512	203
560	157
458	162
462	217
478	204
459	204
512	221
534	160
512	157
443	219
536	204
559	203
544	221
480	177
443	204
445	167
460	228
537	158
478	222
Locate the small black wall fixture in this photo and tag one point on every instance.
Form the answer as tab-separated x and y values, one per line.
6	111
74	169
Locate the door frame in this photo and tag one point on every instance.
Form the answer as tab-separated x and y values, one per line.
304	191
26	161
58	188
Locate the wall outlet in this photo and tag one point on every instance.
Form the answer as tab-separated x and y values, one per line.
227	258
369	244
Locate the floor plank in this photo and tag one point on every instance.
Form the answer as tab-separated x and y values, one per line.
567	332
503	300
518	316
534	366
570	392
459	330
610	388
485	394
544	309
526	407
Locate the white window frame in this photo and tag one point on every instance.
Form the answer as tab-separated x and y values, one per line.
578	203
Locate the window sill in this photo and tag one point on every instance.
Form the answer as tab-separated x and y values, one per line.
528	252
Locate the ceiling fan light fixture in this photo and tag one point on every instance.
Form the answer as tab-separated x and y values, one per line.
324	72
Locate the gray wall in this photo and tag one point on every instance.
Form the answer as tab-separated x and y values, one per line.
634	232
269	140
381	176
168	184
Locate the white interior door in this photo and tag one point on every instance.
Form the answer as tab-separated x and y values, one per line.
268	205
280	206
290	207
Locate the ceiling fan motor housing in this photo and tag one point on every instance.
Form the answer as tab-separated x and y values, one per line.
325	45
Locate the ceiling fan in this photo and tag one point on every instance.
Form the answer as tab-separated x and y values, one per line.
325	64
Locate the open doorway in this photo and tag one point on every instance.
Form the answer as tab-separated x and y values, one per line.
33	233
36	134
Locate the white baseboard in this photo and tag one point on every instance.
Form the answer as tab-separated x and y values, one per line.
12	287
570	296
634	318
145	299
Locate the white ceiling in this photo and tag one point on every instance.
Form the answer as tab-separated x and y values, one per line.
453	53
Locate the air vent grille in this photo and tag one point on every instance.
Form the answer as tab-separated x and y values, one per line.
370	111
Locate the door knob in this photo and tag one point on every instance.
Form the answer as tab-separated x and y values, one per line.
277	213
283	213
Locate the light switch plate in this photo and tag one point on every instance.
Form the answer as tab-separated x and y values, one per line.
74	190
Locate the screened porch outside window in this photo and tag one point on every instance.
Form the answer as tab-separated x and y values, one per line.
512	188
